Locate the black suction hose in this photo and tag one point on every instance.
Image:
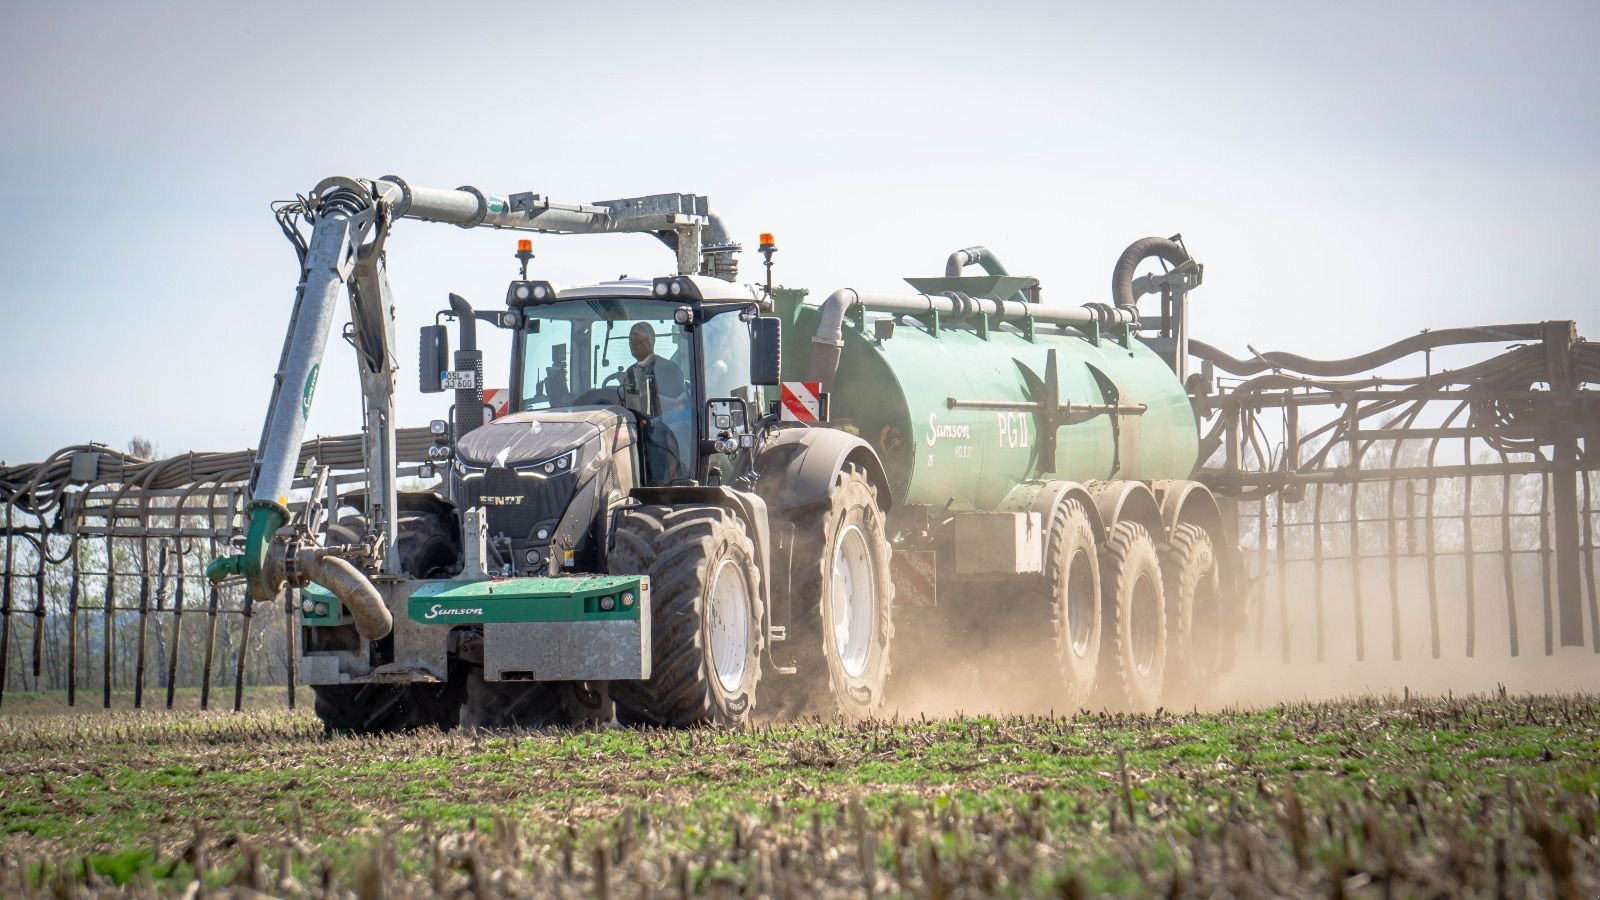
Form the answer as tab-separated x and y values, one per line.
1138	252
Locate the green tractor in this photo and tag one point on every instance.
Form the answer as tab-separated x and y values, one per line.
674	522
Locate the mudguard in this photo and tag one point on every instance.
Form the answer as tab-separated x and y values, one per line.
1045	497
798	466
1128	500
747	506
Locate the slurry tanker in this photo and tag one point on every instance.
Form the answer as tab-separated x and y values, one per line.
705	500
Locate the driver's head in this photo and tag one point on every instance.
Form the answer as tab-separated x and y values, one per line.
642	341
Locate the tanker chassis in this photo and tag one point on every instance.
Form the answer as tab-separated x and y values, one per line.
654	528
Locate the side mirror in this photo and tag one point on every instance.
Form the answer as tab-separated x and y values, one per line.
434	358
766	350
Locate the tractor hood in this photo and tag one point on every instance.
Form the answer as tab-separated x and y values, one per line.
543	480
529	438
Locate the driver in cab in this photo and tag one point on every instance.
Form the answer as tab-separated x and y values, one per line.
654	388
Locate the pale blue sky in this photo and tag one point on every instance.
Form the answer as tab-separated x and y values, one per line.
1349	173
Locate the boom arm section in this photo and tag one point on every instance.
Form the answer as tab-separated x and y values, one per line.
350	221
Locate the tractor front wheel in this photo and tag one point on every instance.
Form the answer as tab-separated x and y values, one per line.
842	603
706	615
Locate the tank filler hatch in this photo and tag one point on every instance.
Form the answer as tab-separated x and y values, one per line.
990	287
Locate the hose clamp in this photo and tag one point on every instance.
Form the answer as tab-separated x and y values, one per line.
404	206
483	207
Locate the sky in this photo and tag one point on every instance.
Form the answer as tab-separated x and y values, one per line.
1348	173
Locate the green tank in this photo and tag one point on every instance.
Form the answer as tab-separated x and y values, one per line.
954	393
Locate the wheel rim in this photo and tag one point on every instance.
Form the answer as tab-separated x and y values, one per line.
730	625
853	600
1080	603
1145	624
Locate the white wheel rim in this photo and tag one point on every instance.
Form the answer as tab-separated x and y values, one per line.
854	600
730	625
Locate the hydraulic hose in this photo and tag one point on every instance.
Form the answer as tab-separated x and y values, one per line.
982	257
354	590
1128	263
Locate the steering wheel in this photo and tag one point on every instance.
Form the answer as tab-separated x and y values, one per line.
613	377
597	397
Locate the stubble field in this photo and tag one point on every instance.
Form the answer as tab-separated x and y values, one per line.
1379	796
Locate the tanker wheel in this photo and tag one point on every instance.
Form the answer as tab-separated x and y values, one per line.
705	615
530	704
1192	584
1072	570
1133	648
843	594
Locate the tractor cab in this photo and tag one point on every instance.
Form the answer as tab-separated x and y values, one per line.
616	386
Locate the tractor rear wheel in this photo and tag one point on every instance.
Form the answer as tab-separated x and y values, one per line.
1193	587
1072	572
1133	649
843	594
705	615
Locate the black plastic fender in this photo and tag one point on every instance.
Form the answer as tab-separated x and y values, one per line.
1128	500
1045	497
744	504
798	466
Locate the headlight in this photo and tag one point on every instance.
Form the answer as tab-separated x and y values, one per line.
438	426
523	292
540	292
661	289
627	599
608	603
508	319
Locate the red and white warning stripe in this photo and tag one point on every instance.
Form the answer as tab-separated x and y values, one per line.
801	401
496	403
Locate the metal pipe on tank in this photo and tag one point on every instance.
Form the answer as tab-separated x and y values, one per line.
979	256
829	338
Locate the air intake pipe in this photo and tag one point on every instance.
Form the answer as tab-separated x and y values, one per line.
468	358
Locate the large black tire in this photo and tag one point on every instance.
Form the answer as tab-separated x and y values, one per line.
384	708
1072	574
686	551
1196	647
1133	647
426	550
530	704
842	603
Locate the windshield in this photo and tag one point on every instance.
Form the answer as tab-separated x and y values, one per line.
610	352
577	353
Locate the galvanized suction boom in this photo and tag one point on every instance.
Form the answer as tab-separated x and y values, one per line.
350	221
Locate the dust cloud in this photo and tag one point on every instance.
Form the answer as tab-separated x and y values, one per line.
1004	663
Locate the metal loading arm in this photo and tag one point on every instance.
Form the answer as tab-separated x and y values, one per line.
350	221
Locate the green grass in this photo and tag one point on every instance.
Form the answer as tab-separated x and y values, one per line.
1420	796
